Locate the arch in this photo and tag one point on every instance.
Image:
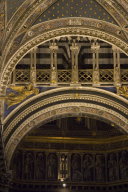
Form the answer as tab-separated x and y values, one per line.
62	27
63	102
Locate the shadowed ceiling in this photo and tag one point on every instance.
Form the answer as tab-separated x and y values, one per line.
66	8
75	8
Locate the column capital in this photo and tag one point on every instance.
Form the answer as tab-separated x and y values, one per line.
95	47
74	47
34	50
116	49
53	47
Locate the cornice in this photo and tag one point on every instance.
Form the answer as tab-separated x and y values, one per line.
75	140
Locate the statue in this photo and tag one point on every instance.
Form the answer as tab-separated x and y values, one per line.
112	168
29	166
40	166
22	92
76	168
88	168
63	166
123	91
52	167
100	168
123	165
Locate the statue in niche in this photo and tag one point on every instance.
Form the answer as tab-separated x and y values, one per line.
112	168
40	166
52	167
29	166
88	168
123	165
100	168
76	168
63	166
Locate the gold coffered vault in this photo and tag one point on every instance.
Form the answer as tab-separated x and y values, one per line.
64	95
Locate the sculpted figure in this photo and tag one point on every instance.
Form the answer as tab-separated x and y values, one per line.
40	166
100	168
63	166
21	93
112	168
76	168
52	167
123	91
29	166
88	168
123	165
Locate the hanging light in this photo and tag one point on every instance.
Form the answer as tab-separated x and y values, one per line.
64	185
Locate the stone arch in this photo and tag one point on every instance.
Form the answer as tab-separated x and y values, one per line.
62	27
63	102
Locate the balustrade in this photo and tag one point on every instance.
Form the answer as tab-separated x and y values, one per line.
73	74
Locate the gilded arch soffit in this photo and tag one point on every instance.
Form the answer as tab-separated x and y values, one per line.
29	10
71	103
61	27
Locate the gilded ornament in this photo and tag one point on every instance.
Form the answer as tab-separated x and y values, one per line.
123	91
22	92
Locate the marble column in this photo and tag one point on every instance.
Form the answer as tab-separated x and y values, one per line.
53	51
33	66
74	55
96	75
116	61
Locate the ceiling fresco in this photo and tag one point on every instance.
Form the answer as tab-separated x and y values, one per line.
66	8
12	7
73	8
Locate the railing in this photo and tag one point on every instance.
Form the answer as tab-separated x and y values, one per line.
106	76
85	75
43	76
21	76
64	76
124	75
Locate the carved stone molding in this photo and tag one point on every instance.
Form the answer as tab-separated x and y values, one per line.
64	108
115	10
18	21
53	113
61	98
62	27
